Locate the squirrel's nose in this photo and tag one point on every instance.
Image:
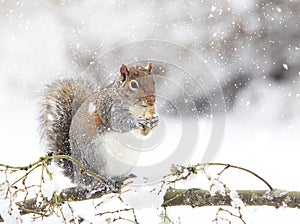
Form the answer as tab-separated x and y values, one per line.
149	100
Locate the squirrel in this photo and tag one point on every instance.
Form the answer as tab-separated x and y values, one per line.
80	120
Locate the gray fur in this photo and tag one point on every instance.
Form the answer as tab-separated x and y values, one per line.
81	121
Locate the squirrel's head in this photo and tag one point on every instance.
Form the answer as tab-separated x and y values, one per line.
137	84
137	88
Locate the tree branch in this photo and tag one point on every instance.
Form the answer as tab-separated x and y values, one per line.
173	197
199	198
185	197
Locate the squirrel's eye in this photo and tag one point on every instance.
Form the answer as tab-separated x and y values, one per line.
134	84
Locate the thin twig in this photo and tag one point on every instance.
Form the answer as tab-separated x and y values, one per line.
239	168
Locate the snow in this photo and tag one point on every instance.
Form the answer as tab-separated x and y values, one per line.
91	108
43	41
50	117
8	209
285	66
217	187
236	202
140	196
10	212
52	186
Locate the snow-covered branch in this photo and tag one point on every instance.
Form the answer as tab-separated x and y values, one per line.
199	198
186	197
45	204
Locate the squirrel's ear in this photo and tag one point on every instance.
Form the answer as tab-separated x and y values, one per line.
124	71
149	67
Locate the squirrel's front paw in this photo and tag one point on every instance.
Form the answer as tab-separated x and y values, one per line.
154	121
145	125
143	122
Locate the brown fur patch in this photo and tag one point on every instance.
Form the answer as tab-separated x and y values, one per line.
95	124
97	119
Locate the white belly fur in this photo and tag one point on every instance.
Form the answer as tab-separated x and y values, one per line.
119	156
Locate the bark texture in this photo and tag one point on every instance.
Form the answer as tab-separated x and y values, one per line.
185	197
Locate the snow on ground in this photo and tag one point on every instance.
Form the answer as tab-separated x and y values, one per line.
262	133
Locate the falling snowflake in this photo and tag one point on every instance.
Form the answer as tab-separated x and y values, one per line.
285	66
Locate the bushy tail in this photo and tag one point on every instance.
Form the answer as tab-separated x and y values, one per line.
58	105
